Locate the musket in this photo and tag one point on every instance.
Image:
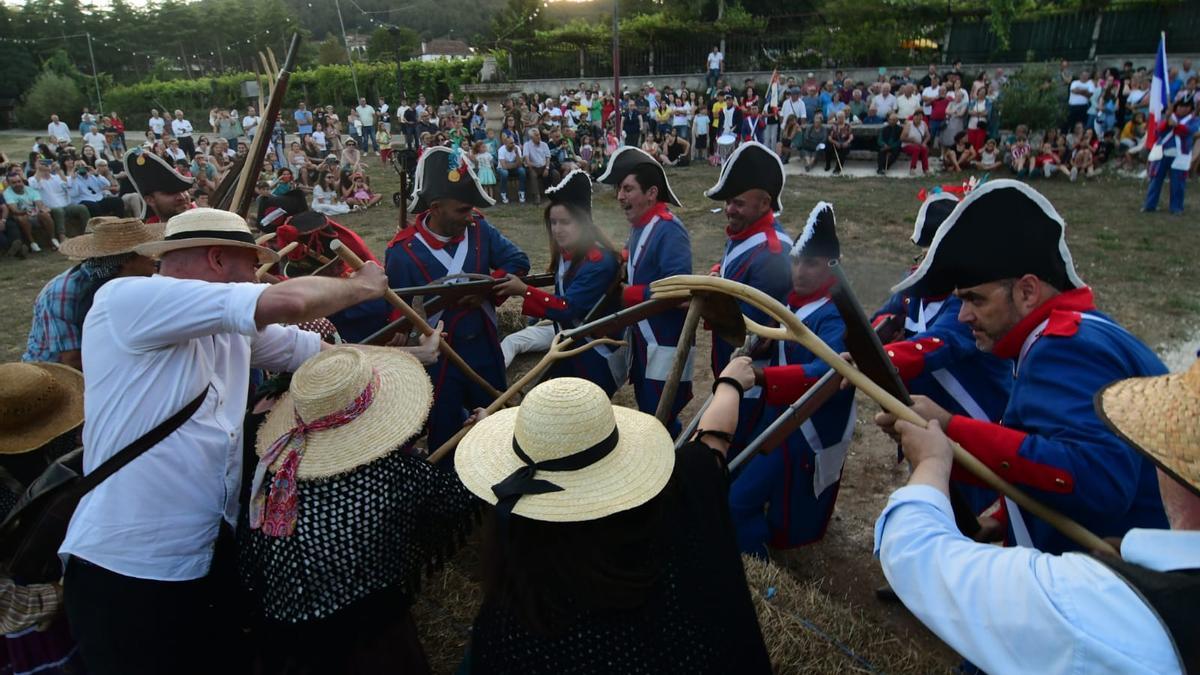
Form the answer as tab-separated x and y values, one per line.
468	289
621	319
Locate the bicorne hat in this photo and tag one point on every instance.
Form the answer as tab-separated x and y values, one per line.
752	166
625	160
150	173
442	174
1002	229
934	211
575	190
819	238
274	209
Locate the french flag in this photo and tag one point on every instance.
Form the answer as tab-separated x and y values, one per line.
1158	99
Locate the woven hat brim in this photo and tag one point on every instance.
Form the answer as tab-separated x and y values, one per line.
634	472
90	246
65	418
394	417
158	248
1160	417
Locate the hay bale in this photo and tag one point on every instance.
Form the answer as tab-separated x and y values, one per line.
801	625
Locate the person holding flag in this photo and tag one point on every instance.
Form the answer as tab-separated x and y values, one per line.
1170	136
771	111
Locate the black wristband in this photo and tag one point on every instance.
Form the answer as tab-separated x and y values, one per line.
723	435
731	382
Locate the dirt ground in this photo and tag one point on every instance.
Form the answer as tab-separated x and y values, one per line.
1142	267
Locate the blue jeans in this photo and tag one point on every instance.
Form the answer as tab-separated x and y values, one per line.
368	138
1178	181
502	176
714	74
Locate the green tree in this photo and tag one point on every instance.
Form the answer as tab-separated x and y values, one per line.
1032	97
395	42
331	51
51	94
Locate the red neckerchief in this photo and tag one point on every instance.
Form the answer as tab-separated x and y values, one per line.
935	298
432	239
1076	300
797	301
766	224
659	209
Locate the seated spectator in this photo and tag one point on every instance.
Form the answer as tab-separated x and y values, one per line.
915	141
536	154
284	182
95	192
204	172
1018	154
1047	162
174	153
961	156
838	145
857	107
881	105
812	140
89	155
1132	140
675	150
989	157
889	143
56	196
359	195
510	163
791	127
24	205
327	195
352	160
299	162
1083	159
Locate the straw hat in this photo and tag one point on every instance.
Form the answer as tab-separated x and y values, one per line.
562	418
111	236
38	403
1160	416
206	227
328	383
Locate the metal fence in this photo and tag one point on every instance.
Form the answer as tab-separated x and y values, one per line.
569	62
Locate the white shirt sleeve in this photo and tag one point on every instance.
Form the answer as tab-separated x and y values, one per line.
283	348
149	312
1014	610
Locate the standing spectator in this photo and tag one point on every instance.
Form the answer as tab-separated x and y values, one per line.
931	77
793	106
304	121
701	125
716	66
509	161
937	116
58	133
916	139
631	123
791	128
87	121
366	116
929	94
385	116
25	206
156	124
956	112
411	117
889	144
537	164
907	103
118	127
978	113
1079	100
681	111
182	130
250	123
56	196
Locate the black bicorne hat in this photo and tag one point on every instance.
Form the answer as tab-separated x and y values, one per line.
150	173
575	190
625	160
1001	230
308	221
751	167
934	211
819	238
441	174
274	209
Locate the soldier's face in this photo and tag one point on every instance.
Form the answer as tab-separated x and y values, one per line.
810	274
990	310
450	216
743	210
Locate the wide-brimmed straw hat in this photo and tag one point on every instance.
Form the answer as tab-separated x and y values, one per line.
1160	416
111	236
206	227
331	382
38	403
584	458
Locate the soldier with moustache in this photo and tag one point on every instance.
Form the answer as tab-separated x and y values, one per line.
165	191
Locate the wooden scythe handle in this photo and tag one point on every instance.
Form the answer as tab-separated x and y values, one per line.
262	269
355	263
683	349
558	350
791	328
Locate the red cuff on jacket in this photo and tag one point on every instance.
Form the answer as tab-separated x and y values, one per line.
880	319
633	295
715	269
909	356
499	274
538	301
999	448
782	385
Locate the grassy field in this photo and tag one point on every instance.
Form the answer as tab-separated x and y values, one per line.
1141	266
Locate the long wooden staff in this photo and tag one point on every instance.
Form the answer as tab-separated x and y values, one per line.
355	263
791	328
558	351
262	269
683	350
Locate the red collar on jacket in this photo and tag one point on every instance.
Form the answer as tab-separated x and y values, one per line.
1062	310
659	209
797	301
766	225
594	254
434	240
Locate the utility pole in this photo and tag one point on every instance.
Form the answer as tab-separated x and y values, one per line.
349	56
95	77
616	56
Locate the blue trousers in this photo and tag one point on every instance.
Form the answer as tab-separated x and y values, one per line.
502	176
648	392
368	139
1178	181
455	395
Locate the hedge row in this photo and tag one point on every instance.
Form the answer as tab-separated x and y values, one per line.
324	85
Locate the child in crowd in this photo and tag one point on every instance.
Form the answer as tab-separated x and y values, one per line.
358	193
1083	160
284	181
586	153
1047	161
700	126
1020	154
485	163
492	143
960	155
989	157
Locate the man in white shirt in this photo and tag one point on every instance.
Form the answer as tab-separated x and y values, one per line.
182	130
882	104
716	66
793	107
366	115
148	591
58	131
1080	99
95	192
56	196
157	123
930	94
907	102
508	162
537	164
96	139
250	122
1017	610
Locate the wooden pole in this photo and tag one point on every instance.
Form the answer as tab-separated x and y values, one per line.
262	269
791	328
355	263
683	349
